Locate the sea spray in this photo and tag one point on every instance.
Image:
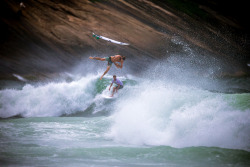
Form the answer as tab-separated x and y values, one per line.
52	99
146	112
157	113
141	127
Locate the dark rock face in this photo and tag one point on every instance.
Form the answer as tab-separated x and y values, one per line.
47	37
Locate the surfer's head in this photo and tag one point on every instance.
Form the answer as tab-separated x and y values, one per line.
114	76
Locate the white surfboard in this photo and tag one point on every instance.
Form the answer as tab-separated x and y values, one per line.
107	97
108	39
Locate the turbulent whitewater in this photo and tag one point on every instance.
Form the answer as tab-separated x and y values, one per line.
175	113
149	118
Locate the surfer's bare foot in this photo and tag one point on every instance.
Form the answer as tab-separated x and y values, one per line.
91	57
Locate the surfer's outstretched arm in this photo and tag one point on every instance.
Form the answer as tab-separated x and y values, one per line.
105	72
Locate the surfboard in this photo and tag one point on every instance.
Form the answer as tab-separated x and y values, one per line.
109	40
107	97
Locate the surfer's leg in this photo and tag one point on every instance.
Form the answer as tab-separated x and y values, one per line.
105	72
113	92
98	58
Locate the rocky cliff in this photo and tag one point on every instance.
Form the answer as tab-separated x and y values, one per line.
51	36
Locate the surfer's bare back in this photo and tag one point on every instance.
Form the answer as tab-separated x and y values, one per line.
110	60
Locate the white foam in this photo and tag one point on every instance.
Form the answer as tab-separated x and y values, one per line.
53	99
160	114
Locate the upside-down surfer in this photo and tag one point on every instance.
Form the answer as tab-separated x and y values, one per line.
110	60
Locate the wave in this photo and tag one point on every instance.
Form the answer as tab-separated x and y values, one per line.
146	112
52	99
80	97
156	113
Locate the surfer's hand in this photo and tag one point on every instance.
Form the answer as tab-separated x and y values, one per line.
117	65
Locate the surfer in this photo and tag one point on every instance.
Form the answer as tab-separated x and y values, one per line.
119	85
110	60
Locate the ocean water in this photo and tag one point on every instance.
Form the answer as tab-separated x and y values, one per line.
151	122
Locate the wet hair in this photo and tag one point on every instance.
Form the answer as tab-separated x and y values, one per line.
123	57
114	75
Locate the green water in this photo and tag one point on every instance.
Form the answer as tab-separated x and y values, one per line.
76	141
149	123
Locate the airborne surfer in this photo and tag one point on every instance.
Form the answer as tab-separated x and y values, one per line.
110	60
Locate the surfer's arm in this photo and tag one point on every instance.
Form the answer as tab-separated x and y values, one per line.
118	65
110	85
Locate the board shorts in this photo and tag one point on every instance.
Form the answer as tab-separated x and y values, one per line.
109	60
121	86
